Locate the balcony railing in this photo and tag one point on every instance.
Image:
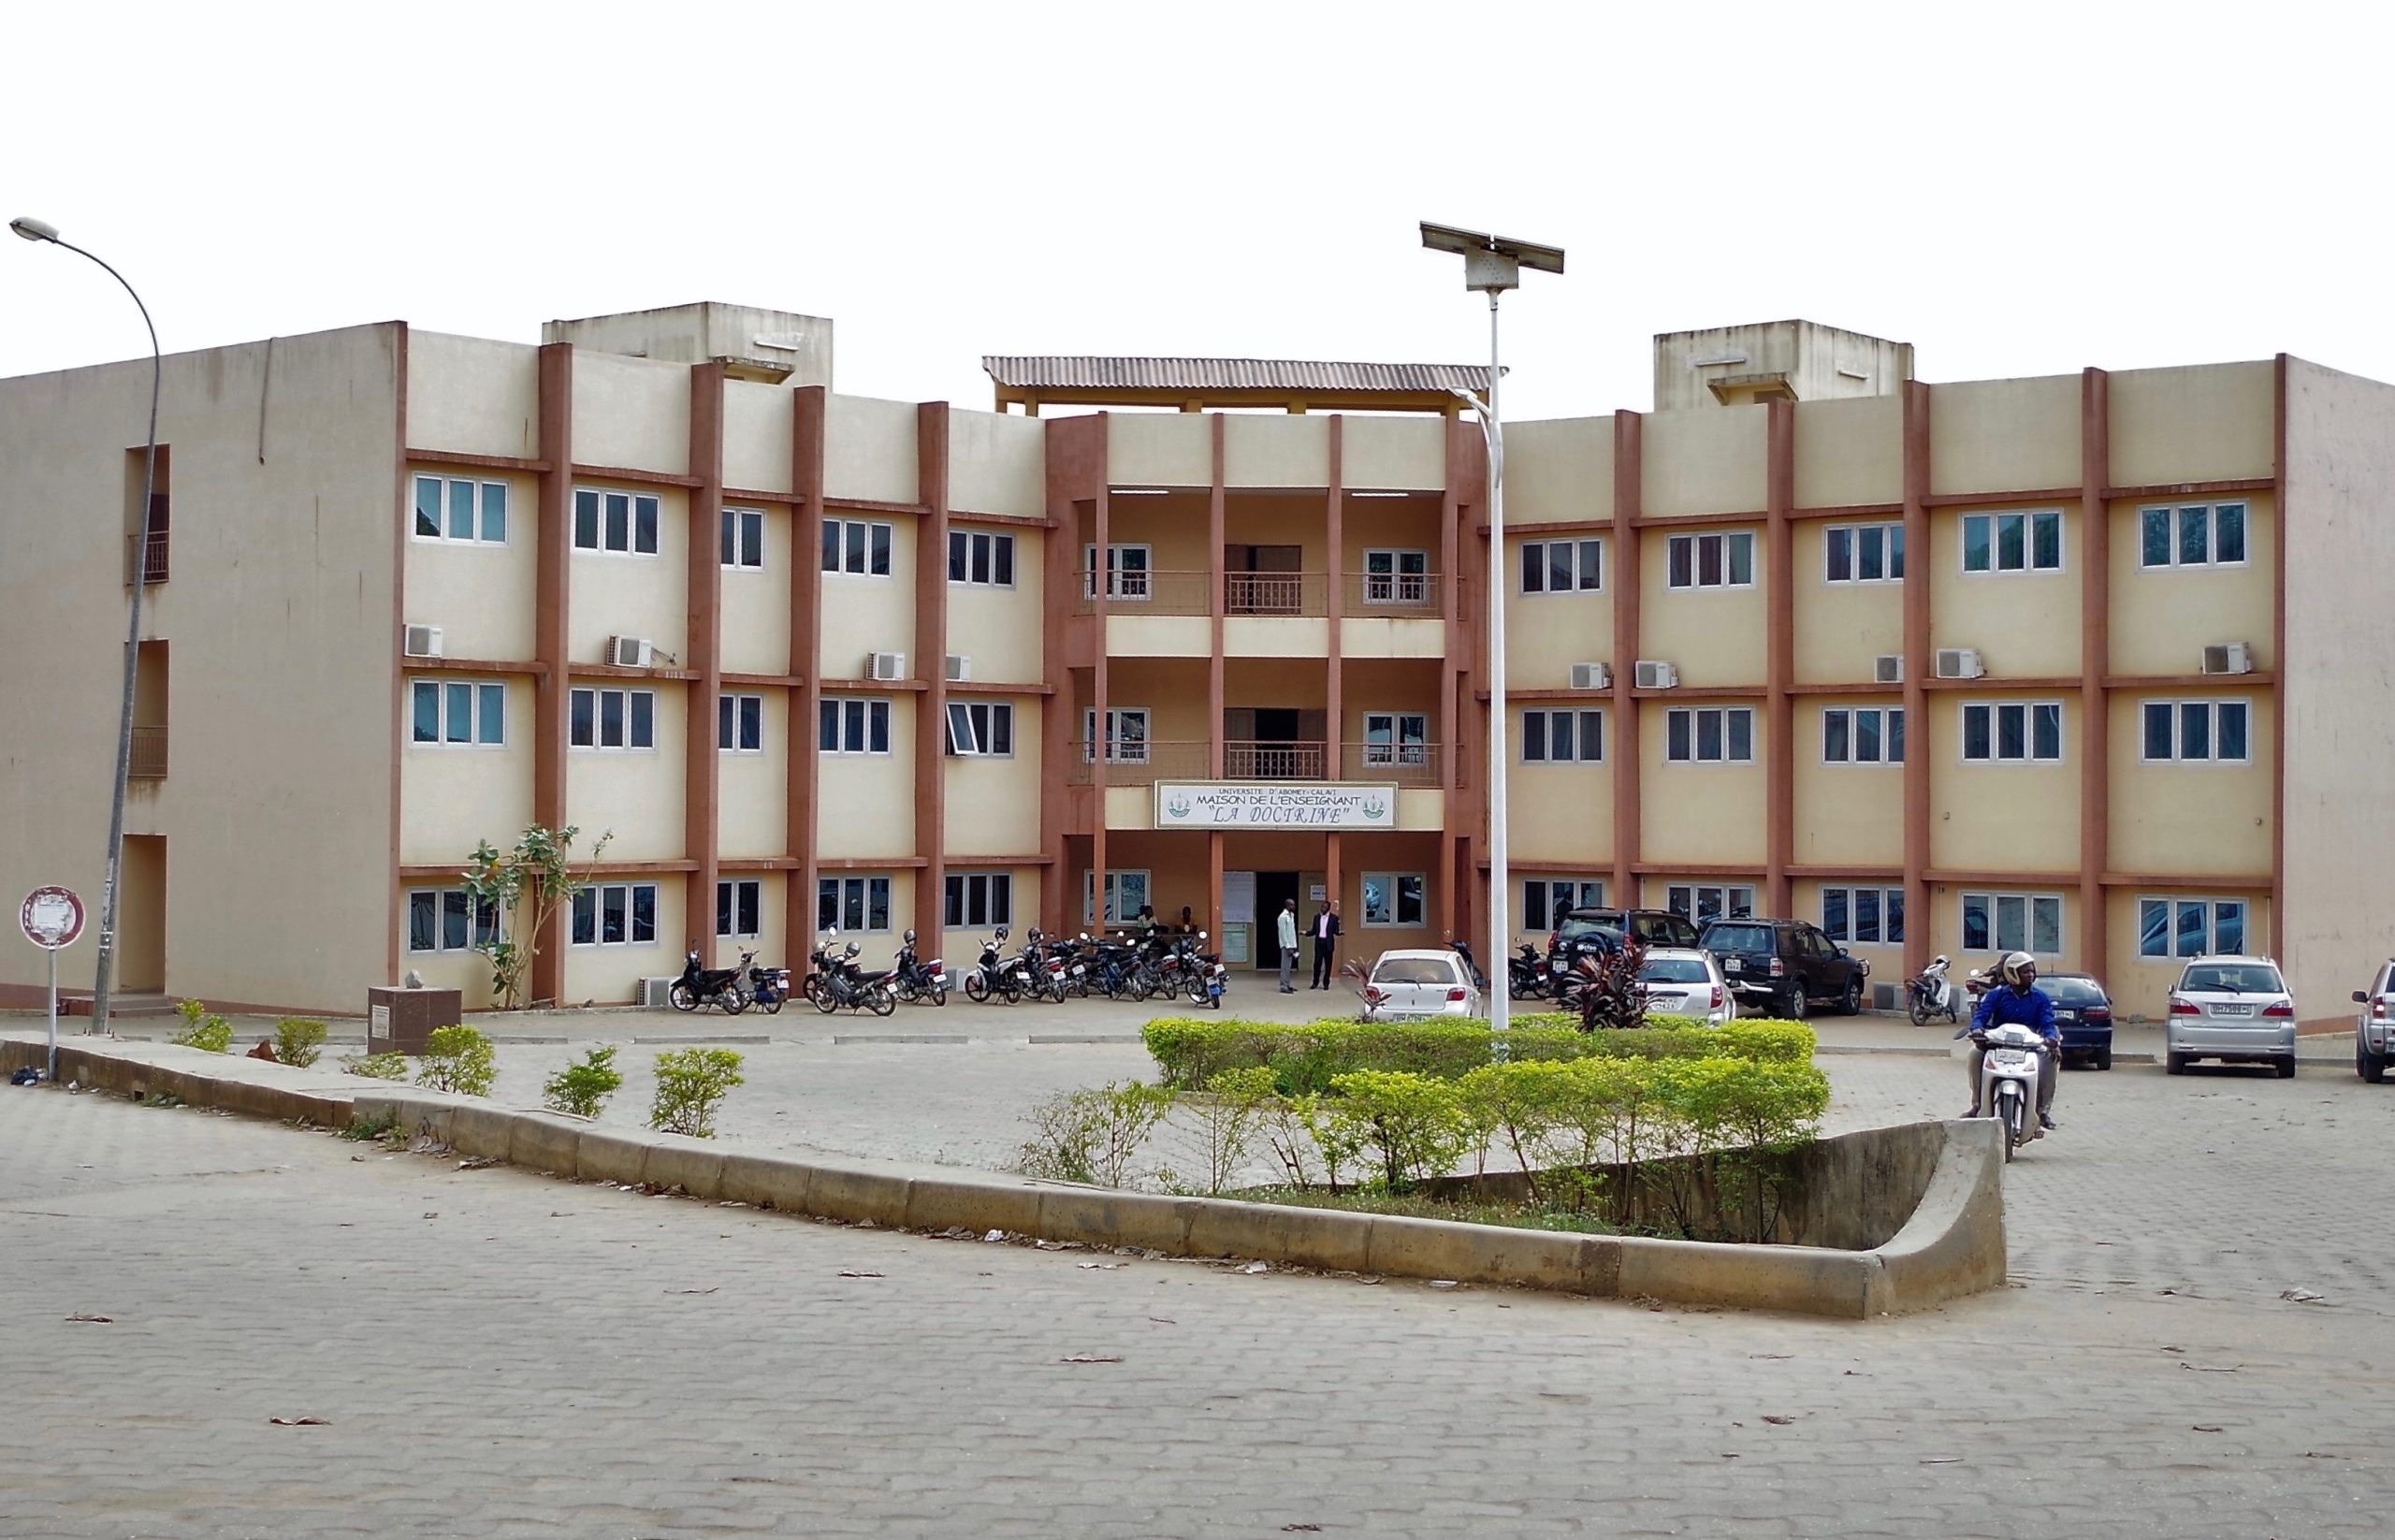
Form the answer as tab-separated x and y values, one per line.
1406	763
1243	593
1150	594
1276	593
1145	763
149	760
157	571
1413	595
1141	764
1250	761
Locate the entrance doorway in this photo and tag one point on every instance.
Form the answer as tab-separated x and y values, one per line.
141	916
1271	889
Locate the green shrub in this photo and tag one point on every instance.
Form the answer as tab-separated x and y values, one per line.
458	1058
690	1085
209	1034
1094	1133
582	1089
377	1065
1307	1058
1416	1123
298	1041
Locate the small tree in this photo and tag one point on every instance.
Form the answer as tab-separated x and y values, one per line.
527	886
582	1089
691	1083
458	1058
1602	988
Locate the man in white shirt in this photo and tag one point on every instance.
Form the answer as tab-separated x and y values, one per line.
1288	923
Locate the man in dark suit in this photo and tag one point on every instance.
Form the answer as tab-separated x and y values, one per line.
1327	930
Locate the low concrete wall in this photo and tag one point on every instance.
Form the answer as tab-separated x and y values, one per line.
1949	1243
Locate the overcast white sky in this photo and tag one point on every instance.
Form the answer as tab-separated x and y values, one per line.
2018	189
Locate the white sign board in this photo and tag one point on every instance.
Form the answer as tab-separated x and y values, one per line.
1268	804
51	918
1238	898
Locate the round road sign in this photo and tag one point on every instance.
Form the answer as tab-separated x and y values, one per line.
52	918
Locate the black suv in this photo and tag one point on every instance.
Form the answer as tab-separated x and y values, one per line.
1602	930
1786	966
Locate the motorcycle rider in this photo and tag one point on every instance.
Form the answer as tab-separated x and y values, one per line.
2018	1002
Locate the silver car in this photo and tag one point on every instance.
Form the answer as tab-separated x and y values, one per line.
2374	1029
2235	1009
1685	982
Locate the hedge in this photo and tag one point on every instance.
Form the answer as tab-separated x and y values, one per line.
1305	1058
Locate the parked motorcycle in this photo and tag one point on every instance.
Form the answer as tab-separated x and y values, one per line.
1930	993
703	986
2009	1080
996	976
1462	949
1528	975
846	986
916	981
766	987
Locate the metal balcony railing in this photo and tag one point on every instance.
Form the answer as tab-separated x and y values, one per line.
1149	593
1407	594
1250	761
149	760
158	562
1276	593
1406	763
1140	762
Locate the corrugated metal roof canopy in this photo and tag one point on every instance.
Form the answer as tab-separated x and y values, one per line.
1086	380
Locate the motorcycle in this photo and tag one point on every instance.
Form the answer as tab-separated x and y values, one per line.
703	986
1472	965
1527	973
1930	993
996	976
847	986
1206	975
766	987
2009	1080
918	982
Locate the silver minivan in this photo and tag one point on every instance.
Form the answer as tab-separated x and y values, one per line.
2235	1009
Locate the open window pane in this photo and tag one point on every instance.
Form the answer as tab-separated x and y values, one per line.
425	700
2229	533
1833	736
2153	928
458	708
1870	562
2195	536
2230	744
2011	732
2045	531
1866	738
2195	729
2157	730
644	719
1975	926
2045	934
2011	921
611	718
1709	735
2012	543
1841	555
490	713
2188	936
495	512
1867	914
428	507
1742	558
1975	542
645	525
2228	926
619	521
2046	719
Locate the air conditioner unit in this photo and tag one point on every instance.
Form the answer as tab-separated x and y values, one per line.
1888	668
656	993
2228	657
422	642
886	666
631	652
1592	676
960	668
1651	674
1959	663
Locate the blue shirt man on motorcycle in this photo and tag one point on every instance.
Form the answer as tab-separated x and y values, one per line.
2016	1001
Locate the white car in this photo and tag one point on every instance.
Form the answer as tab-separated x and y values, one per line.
1410	986
2374	1029
2235	1009
1685	981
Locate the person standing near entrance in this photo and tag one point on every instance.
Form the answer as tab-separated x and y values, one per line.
1288	922
1325	943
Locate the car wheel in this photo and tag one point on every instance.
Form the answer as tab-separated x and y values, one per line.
1798	1007
2371	1067
2174	1063
2287	1068
1852	1004
2103	1058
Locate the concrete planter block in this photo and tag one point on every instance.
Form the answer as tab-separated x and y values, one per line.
693	1165
766	1182
858	1193
613	1155
541	1141
1953	1244
1480	1254
1331	1239
480	1130
973	1203
1806	1280
1104	1218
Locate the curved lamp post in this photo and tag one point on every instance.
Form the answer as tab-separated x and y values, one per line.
34	229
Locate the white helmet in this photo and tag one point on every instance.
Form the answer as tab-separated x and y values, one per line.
2018	969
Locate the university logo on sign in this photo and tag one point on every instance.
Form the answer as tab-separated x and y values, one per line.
1262	805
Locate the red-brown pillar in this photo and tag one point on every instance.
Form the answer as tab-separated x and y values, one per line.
1919	923
805	698
703	656
1334	753
1629	494
931	665
552	589
1780	656
2095	665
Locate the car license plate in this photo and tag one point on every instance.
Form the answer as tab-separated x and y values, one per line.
2232	1011
2066	1016
1732	965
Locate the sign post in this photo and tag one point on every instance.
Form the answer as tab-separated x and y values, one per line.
52	918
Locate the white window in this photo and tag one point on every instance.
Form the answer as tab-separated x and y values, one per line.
1867	735
615	521
1127	735
1393	898
980	558
739	906
473	512
2012	922
853	726
852	903
979	899
458	712
1864	552
2012	732
743	537
2012	543
860	547
981	729
2190	927
1397	737
1712	561
1709	735
1564	736
1545	900
600	718
740	723
1702	902
1126	895
1128	570
616	914
2196	535
450	919
1562	566
1396	577
1872	916
2217	730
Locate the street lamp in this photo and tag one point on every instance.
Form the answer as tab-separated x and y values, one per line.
1493	264
34	229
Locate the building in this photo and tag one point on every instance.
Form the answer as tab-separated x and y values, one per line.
1944	668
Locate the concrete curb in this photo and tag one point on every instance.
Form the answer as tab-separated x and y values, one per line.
1952	1246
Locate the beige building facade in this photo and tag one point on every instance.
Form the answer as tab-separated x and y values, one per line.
2080	664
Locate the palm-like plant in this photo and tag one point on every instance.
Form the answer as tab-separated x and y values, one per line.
1602	988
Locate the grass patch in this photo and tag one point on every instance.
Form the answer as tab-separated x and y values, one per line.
1523	1217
